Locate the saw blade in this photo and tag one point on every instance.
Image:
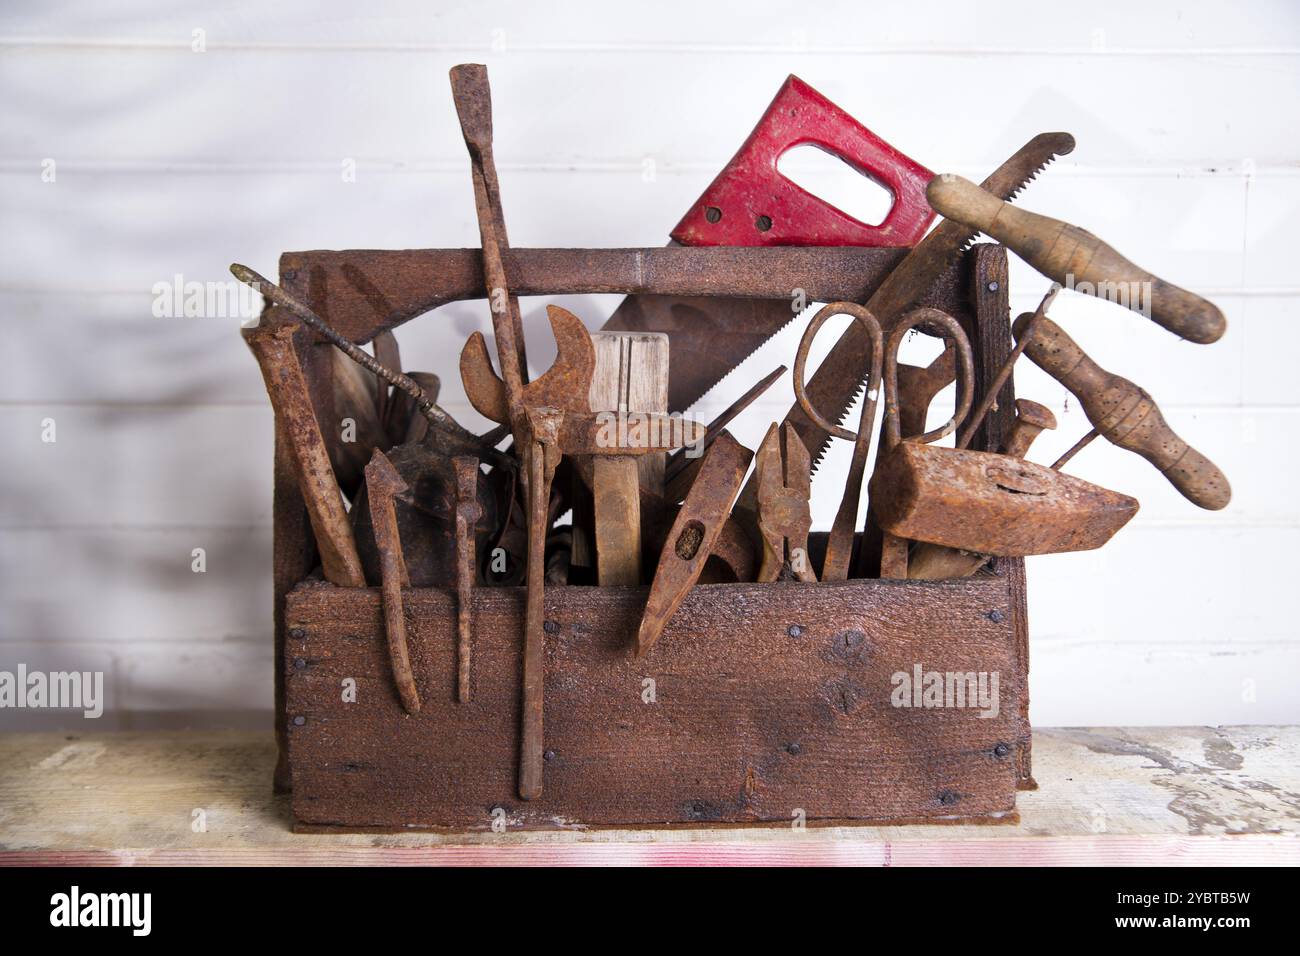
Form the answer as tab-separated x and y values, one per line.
710	336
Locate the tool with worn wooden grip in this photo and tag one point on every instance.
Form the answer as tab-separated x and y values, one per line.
1125	414
557	420
1077	259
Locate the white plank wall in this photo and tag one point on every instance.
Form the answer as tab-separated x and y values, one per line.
610	120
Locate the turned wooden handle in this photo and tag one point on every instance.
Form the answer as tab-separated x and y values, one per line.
1077	259
1125	414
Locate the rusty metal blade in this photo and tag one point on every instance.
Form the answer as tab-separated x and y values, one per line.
710	336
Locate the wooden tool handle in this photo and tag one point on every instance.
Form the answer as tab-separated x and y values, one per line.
1077	259
1126	415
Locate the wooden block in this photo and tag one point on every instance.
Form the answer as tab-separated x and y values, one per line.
631	376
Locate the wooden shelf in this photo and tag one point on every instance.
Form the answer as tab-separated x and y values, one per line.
1110	796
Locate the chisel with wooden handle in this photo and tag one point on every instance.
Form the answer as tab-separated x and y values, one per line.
1125	414
1077	259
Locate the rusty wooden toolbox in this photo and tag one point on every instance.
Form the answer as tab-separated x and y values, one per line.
761	704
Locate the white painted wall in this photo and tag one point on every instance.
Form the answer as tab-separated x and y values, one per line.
170	161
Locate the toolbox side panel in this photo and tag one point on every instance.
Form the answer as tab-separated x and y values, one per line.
769	703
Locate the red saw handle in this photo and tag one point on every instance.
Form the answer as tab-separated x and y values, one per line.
752	204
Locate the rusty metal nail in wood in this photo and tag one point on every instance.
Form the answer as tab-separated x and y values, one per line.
297	634
549	756
793	749
1001	750
948	797
794	630
995	616
299	662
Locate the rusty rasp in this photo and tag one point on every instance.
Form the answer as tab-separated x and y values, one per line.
693	535
382	484
837	381
468	513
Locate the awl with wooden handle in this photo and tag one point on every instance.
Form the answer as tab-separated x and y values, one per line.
1077	259
1125	414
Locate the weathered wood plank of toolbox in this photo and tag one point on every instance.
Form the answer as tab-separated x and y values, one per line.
769	701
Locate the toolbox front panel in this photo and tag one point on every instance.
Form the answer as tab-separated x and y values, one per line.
760	704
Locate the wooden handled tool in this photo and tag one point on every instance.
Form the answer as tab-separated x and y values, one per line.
1125	414
630	379
557	420
1077	259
